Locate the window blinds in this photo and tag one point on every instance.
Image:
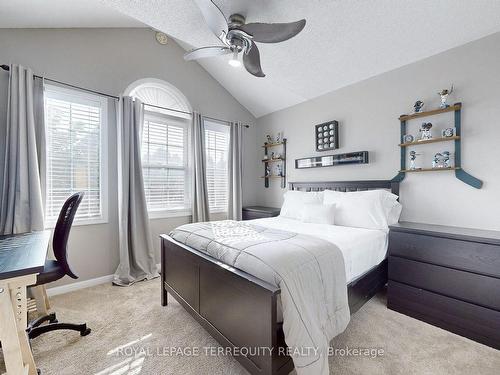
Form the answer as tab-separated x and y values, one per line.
164	163
217	149
73	127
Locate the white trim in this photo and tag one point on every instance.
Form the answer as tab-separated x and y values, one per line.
79	285
84	284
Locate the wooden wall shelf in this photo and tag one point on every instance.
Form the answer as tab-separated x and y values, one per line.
451	108
273	160
267	145
429	169
459	172
434	140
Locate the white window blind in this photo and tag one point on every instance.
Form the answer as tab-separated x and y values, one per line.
217	150
75	126
164	163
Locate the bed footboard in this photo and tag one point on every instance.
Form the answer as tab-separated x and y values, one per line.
237	309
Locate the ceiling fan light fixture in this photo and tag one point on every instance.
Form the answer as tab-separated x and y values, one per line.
235	62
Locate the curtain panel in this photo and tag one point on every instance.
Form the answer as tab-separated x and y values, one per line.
136	246
235	168
199	178
23	171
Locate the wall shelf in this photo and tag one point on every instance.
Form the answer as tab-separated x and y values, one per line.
273	160
267	145
451	108
429	170
266	163
434	140
459	172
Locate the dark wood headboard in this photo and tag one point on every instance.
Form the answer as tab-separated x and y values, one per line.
346	185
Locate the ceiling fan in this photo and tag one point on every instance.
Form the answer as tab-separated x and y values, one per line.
238	36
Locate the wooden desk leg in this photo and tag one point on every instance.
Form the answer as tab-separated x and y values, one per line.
41	299
13	320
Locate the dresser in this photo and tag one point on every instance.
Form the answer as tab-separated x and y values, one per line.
448	277
259	212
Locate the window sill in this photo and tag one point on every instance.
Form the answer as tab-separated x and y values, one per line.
154	215
77	223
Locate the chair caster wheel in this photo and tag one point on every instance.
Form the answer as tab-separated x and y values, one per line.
86	332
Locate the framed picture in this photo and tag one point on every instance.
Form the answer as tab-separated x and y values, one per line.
360	157
327	136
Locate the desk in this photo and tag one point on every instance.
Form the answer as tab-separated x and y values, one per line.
22	257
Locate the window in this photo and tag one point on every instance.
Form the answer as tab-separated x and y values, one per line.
164	147
164	163
75	134
217	150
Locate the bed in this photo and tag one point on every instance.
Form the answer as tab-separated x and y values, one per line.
242	311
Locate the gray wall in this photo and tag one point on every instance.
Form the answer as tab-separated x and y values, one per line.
109	60
368	114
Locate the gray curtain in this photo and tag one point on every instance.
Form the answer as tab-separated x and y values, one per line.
199	178
21	195
136	247
235	167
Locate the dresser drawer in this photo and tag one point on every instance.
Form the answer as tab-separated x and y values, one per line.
465	255
470	287
476	322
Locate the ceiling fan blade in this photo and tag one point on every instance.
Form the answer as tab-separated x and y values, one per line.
203	52
251	60
273	32
214	17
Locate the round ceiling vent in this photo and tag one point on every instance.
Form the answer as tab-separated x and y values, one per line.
161	38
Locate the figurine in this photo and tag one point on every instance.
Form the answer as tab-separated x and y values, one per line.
425	131
278	137
437	162
413	160
269	139
444	96
408	138
272	156
277	155
268	171
448	132
418	106
279	170
446	159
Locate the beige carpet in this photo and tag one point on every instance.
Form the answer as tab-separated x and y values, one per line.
119	316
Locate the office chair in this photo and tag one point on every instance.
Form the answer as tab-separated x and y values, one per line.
55	270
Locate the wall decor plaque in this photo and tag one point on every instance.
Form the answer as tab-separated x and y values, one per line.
360	157
327	136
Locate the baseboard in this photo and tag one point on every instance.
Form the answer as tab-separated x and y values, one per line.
83	284
79	285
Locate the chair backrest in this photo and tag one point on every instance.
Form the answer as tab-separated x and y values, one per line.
62	229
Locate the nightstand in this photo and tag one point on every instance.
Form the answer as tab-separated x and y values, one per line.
448	277
259	212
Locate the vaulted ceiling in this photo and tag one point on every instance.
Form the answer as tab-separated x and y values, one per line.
344	41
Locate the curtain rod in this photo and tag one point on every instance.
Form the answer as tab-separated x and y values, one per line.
187	113
7	68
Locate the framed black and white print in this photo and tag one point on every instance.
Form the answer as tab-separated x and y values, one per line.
327	136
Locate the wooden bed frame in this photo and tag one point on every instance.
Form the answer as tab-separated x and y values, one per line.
240	310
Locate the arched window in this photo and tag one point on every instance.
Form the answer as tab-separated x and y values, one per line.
164	147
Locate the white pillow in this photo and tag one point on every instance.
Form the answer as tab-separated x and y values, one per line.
369	209
318	213
293	204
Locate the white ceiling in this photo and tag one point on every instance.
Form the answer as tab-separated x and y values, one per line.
344	41
61	14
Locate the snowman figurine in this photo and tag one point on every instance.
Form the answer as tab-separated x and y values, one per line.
437	162
446	159
413	160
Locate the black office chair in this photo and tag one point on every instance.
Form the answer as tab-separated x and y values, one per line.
57	269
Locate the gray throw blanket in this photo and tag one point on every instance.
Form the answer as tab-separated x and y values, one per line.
309	271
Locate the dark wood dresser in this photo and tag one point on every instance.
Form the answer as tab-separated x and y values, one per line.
448	277
259	212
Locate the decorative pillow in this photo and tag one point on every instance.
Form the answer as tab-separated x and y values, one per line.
318	213
294	201
369	209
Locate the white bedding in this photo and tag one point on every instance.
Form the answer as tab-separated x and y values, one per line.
362	248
